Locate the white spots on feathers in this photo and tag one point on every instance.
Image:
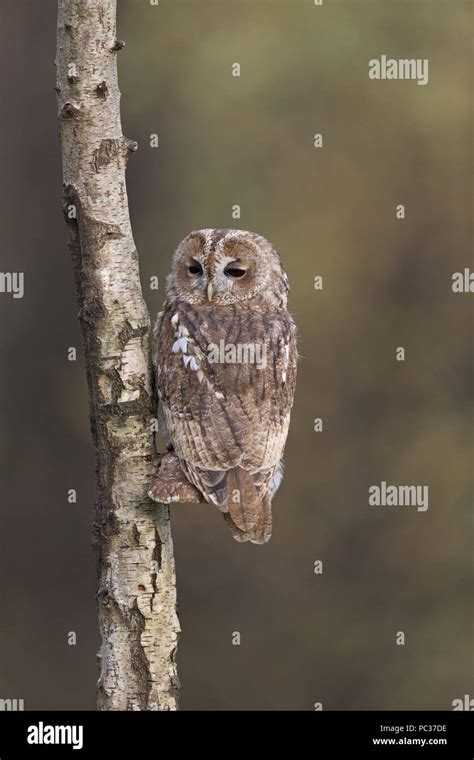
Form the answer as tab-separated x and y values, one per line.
180	345
189	352
286	359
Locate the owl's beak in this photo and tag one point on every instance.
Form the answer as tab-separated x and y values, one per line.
210	292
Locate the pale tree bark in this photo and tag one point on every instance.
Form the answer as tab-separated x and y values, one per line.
136	594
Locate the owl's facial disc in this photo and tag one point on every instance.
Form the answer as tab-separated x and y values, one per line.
218	278
208	269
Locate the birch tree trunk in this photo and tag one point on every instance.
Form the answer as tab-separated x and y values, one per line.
136	594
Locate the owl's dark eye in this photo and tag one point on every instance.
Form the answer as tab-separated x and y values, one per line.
195	268
232	271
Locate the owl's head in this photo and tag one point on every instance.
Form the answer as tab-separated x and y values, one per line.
223	266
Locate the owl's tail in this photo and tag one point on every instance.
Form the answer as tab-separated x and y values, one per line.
245	498
248	510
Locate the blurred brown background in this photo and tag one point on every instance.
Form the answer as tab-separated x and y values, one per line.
306	638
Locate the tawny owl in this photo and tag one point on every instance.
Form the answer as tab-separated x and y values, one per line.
225	362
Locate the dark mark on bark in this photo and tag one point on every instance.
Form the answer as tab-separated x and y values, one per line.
70	195
157	551
105	527
102	90
103	597
118	45
136	535
140	407
108	150
95	233
139	659
69	111
156	558
111	149
174	688
128	332
131	145
91	309
116	386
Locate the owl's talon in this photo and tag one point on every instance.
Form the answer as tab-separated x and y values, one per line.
169	482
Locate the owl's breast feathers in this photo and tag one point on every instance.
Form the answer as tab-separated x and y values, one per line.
226	381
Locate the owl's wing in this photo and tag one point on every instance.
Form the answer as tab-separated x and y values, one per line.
226	381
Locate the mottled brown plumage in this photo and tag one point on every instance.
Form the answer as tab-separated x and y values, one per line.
225	360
